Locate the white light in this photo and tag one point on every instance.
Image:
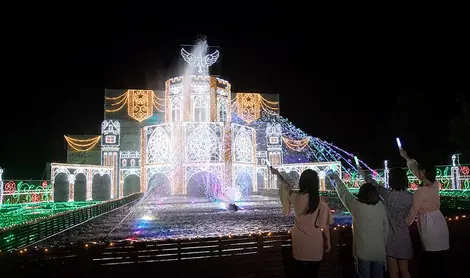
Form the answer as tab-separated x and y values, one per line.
398	142
201	61
147	218
356	160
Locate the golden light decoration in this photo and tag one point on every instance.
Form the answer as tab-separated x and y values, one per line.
82	145
249	106
296	145
140	104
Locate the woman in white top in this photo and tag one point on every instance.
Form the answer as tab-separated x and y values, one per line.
370	227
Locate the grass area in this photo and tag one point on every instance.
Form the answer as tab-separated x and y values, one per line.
13	215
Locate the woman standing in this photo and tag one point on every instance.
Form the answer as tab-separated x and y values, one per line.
311	233
370	227
398	202
432	225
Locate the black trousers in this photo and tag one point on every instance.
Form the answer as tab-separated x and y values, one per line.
307	269
434	264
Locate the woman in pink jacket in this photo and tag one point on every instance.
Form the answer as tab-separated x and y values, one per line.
432	225
311	233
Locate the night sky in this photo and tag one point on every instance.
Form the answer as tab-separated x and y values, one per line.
358	87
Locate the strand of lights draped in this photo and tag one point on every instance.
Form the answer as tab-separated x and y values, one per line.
140	104
82	145
296	145
317	150
250	105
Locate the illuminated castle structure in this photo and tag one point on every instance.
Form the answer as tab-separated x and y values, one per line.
196	138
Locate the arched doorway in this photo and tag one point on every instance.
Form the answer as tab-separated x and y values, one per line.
101	187
79	189
159	186
292	178
61	188
204	184
131	185
245	183
261	181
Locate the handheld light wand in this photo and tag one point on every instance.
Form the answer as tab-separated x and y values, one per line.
399	143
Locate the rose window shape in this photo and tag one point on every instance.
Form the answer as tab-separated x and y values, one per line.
203	145
10	187
464	170
158	146
243	146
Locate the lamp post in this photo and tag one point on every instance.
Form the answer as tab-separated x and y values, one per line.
386	171
455	171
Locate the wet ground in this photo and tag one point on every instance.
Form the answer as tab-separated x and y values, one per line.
184	217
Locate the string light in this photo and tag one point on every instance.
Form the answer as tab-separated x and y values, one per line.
72	170
200	60
12	216
82	145
16	192
335	228
296	145
250	105
140	104
227	151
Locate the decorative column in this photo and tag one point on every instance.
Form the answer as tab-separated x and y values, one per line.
322	176
255	161
121	184
143	157
455	171
110	146
273	181
71	179
89	185
112	194
386	172
1	186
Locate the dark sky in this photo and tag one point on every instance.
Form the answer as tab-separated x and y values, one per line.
356	83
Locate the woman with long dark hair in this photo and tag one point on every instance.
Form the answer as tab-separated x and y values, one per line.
398	202
432	225
370	227
311	233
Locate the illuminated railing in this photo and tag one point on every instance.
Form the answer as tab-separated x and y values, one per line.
30	233
444	176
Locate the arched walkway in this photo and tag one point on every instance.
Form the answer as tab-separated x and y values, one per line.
245	183
61	188
159	186
261	182
79	192
131	185
101	188
293	178
204	184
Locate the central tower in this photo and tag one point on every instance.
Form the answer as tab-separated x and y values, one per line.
198	147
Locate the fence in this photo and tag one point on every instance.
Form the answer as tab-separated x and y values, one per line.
449	177
31	233
266	255
31	191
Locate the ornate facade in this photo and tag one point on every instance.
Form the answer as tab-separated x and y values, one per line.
196	137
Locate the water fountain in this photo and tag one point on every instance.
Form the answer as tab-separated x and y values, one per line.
197	150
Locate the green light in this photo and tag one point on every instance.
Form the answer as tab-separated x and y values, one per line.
13	215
